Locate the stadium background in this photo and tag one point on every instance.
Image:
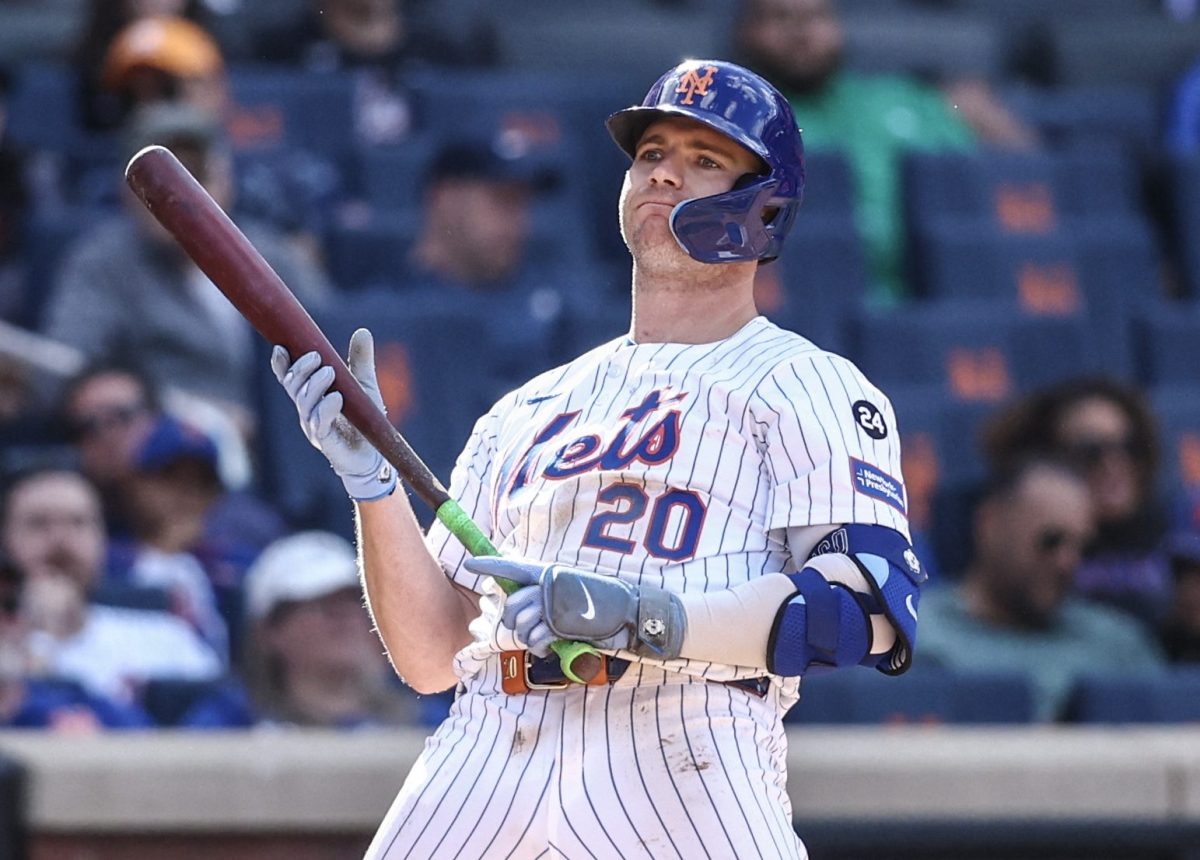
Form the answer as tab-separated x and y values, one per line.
1026	268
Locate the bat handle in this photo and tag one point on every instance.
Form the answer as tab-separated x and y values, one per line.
463	527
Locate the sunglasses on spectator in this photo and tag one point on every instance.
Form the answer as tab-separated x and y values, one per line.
1051	540
1091	452
105	419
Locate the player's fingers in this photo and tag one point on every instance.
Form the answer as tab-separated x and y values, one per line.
300	372
312	391
280	361
540	639
523	609
326	412
520	572
361	361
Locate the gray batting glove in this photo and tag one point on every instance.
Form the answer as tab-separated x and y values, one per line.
559	602
364	472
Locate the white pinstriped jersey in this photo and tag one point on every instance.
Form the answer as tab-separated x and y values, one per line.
671	464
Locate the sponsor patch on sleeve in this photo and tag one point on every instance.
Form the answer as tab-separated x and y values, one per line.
877	484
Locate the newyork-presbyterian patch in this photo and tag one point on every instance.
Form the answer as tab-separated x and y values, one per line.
878	484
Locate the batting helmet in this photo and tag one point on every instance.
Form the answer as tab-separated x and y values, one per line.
750	221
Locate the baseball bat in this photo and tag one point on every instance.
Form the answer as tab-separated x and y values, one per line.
219	248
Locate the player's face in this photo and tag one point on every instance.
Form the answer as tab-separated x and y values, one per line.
676	159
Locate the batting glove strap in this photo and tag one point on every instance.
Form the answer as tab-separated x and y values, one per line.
377	484
612	614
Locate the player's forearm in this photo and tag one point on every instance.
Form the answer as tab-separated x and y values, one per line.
751	610
421	616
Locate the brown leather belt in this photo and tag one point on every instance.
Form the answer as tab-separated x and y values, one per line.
521	672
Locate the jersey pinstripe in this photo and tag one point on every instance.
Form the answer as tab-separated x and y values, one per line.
671	464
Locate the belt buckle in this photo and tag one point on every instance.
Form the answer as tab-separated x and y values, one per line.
515	669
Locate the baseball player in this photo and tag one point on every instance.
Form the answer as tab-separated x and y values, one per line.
713	502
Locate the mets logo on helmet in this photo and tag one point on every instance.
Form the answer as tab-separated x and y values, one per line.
694	84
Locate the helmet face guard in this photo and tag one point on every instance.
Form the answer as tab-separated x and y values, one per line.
750	221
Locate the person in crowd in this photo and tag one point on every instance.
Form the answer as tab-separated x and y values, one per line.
1181	630
313	659
32	701
474	249
108	409
208	34
166	59
874	119
189	533
1106	429
378	42
1014	607
126	291
52	529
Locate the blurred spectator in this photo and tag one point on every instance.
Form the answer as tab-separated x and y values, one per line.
377	40
126	291
1105	429
51	527
314	659
189	534
108	408
874	119
1181	632
1183	114
13	201
29	702
474	249
173	60
105	108
1013	609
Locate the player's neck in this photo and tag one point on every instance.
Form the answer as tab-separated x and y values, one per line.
667	311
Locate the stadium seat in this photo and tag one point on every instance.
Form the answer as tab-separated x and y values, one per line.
1166	341
829	186
1172	697
1185	215
43	107
1014	192
923	695
819	283
966	259
393	177
587	38
931	43
1083	116
435	380
975	351
167	700
112	592
277	106
1146	49
373	253
1177	408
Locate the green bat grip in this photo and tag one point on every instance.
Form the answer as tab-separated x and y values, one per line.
477	543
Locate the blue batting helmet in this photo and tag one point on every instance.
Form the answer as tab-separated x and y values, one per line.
750	221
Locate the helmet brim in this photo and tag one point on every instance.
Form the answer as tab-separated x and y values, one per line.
627	126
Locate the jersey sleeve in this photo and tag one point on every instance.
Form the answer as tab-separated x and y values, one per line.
831	447
470	483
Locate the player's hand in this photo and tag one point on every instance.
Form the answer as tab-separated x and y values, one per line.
559	602
364	472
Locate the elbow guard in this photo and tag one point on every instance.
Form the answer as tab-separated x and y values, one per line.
827	622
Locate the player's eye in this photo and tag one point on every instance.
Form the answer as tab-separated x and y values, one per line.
650	154
708	163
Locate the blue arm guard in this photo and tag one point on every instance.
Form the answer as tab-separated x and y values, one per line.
826	625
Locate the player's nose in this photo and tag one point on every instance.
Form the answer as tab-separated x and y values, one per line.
666	172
